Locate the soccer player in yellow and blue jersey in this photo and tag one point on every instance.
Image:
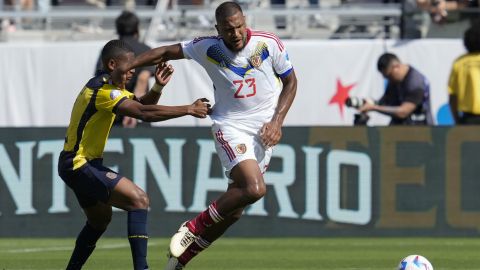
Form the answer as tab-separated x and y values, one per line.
96	187
464	82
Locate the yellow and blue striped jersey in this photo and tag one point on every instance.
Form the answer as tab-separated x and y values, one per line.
91	119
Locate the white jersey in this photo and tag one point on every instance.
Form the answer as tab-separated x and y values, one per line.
246	83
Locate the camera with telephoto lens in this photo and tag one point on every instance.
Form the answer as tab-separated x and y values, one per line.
360	119
356	102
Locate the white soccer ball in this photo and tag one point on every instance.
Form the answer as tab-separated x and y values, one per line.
414	262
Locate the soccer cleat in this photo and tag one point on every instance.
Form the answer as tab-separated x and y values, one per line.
181	240
173	264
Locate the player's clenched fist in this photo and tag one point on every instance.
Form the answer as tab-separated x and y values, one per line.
200	108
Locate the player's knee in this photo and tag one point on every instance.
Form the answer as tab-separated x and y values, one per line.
255	192
140	200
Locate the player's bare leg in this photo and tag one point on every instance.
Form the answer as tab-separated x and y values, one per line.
128	196
249	187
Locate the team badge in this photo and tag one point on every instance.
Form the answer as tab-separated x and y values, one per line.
111	175
256	60
114	94
241	148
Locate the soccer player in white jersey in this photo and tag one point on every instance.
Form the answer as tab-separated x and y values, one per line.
255	84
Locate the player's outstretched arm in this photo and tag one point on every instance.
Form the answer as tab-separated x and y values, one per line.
163	73
158	55
271	132
155	113
148	58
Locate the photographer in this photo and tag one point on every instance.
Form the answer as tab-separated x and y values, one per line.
406	99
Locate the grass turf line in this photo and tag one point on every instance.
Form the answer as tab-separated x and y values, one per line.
252	253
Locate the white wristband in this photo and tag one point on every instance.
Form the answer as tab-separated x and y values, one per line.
157	88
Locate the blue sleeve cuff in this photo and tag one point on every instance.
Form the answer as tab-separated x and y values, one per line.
114	110
285	74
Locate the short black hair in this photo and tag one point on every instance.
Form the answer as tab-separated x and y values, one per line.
385	60
227	9
127	24
113	49
471	37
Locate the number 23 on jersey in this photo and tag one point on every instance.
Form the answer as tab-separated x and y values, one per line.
245	88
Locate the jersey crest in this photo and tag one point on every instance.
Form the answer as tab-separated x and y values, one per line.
114	94
241	148
259	54
256	61
111	175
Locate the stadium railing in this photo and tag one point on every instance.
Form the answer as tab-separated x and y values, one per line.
180	22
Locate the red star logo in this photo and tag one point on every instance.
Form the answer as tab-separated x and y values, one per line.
341	95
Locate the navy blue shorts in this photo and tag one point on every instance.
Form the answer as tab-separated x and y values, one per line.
91	183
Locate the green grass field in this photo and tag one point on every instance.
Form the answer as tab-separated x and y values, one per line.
254	254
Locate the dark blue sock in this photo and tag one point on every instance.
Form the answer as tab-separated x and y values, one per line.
84	246
138	237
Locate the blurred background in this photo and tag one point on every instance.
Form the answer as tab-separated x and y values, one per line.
329	178
51	46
